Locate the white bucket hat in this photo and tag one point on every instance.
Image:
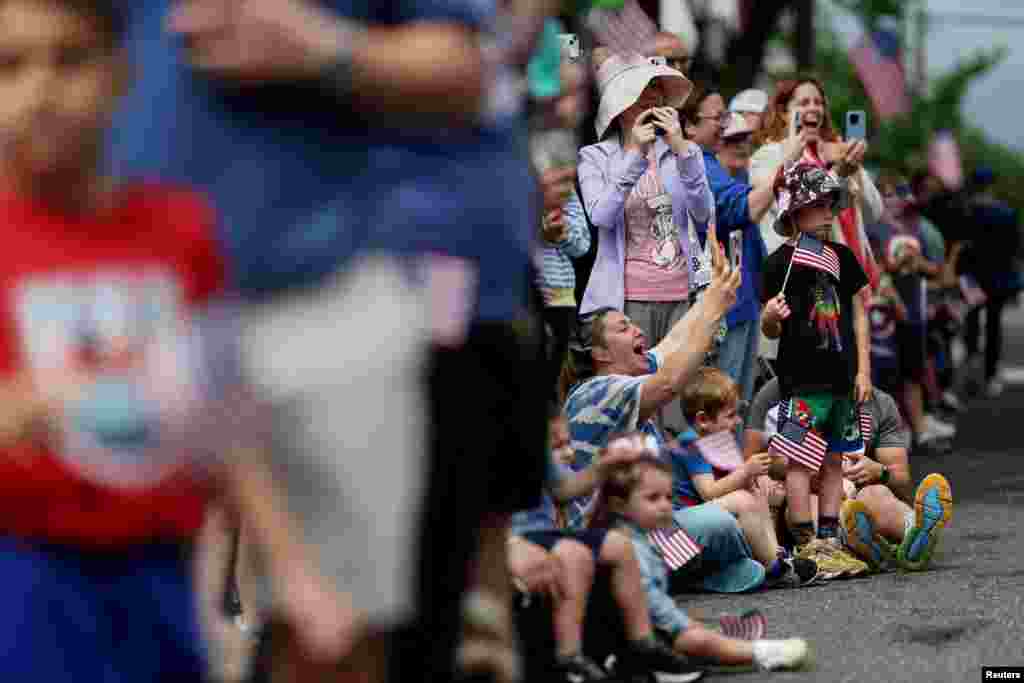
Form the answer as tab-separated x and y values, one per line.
754	101
622	79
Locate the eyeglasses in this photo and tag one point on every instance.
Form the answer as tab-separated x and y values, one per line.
723	118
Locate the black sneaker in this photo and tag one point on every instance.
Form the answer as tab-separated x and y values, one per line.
799	572
578	669
657	660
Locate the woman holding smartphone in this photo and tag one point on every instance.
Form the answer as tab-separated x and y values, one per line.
799	110
638	184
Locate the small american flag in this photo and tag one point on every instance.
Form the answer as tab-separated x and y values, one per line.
816	254
944	160
752	625
721	451
878	60
676	546
865	425
622	26
971	291
797	442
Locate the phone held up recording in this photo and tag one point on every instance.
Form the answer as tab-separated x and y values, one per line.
856	125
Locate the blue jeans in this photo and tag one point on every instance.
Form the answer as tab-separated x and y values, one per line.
726	564
738	355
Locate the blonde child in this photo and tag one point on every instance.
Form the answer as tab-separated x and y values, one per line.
710	403
637	500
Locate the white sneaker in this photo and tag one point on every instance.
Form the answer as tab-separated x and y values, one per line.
770	655
994	388
943	429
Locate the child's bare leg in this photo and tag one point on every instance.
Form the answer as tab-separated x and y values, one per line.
830	495
798	502
577	576
627	585
697	641
755	518
887	511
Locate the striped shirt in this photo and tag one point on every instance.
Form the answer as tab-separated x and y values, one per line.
556	277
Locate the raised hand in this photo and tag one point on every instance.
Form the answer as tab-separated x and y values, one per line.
725	280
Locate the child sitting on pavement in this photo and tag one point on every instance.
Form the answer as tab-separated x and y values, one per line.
637	499
710	403
576	554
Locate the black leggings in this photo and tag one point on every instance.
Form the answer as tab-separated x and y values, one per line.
993	333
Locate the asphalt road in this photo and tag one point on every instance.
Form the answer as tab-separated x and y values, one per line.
965	612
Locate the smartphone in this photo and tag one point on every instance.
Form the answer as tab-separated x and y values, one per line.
570	47
856	125
658	61
736	248
796	123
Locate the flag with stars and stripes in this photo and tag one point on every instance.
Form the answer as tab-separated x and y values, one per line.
865	425
752	625
816	254
721	451
676	546
622	26
878	60
798	442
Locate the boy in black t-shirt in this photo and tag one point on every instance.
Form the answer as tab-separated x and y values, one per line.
813	291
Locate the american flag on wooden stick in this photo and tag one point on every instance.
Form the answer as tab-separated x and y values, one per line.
816	254
676	546
797	442
752	625
721	451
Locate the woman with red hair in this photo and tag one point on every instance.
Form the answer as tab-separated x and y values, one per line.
861	202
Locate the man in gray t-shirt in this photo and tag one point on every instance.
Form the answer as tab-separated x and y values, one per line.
883	519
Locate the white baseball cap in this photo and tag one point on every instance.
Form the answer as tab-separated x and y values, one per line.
751	100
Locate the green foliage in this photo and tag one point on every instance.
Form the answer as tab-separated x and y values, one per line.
901	144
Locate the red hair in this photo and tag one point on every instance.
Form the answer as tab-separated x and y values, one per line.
776	123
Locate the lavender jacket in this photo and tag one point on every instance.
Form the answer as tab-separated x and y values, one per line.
607	174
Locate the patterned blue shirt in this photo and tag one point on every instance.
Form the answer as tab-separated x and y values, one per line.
598	408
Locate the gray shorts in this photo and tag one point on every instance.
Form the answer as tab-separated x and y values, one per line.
342	365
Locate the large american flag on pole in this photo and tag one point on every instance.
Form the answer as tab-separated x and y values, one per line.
676	546
796	442
944	160
878	60
622	26
816	254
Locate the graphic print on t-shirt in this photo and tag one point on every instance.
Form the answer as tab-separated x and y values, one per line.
117	348
651	228
825	314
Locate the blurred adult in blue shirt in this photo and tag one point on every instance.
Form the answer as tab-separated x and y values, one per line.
331	135
738	206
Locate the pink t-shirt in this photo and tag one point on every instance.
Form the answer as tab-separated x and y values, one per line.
656	263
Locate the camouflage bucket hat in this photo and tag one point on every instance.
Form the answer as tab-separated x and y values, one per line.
800	186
